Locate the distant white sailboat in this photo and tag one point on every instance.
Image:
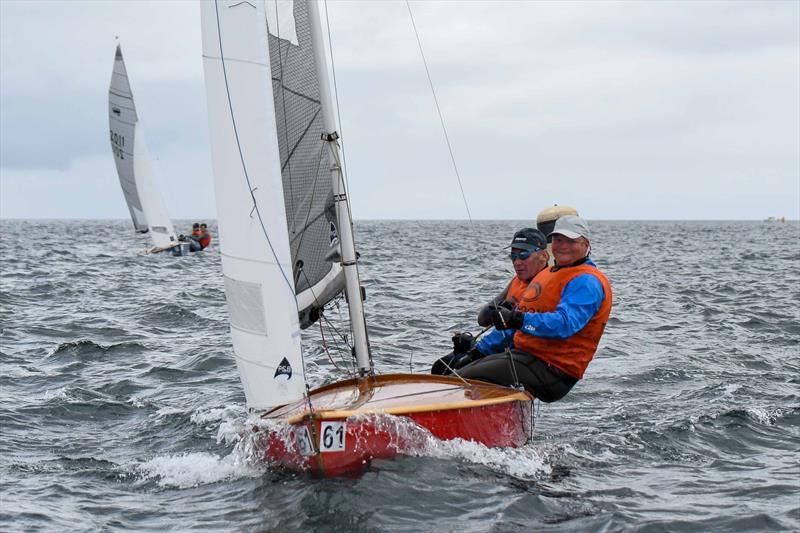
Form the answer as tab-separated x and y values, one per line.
133	166
287	249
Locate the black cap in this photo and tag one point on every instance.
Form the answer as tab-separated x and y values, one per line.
196	225
529	239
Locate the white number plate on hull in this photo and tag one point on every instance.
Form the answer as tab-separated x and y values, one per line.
332	436
302	439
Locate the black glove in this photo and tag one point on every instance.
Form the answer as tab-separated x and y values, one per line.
503	318
181	237
462	342
485	314
508	304
470	357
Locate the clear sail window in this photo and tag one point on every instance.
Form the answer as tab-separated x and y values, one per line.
245	306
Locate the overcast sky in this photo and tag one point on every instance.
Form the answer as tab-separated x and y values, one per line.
625	110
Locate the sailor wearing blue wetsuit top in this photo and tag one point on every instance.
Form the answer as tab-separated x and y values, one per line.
579	302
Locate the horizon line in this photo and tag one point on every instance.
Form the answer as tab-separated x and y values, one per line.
773	219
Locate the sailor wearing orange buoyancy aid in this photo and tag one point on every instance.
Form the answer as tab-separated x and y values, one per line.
554	332
199	239
528	256
204	237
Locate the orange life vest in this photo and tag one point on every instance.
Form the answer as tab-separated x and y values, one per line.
571	355
205	240
516	289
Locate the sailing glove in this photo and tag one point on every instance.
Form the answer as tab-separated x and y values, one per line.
503	318
462	342
485	314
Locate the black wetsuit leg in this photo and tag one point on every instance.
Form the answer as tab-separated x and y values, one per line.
440	366
540	379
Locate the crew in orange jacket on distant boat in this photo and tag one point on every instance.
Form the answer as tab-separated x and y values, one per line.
199	239
554	332
205	236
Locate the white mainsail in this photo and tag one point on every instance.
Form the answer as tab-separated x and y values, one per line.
254	236
133	161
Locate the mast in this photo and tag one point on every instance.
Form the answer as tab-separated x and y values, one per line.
348	250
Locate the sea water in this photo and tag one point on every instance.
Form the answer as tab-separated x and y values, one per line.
121	407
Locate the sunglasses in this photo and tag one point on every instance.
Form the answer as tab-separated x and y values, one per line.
523	254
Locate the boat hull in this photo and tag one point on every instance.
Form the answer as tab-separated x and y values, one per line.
178	249
355	422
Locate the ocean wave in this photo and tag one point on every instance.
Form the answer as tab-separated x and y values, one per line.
193	469
88	350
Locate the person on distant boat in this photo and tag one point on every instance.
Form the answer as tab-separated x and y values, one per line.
554	331
529	256
204	237
194	238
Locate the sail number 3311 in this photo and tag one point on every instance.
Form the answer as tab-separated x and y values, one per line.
117	144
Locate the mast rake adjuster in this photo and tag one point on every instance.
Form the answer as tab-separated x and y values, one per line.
330	137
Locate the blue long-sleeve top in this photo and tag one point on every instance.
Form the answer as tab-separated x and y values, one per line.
580	300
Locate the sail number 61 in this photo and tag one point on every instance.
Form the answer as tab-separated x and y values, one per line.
332	436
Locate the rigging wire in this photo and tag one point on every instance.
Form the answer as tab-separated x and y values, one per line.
349	369
327	352
441	119
444	128
321	309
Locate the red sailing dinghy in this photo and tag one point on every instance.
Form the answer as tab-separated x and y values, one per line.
287	249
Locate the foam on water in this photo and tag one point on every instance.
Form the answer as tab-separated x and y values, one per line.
55	395
137	402
164	412
196	468
764	416
528	462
